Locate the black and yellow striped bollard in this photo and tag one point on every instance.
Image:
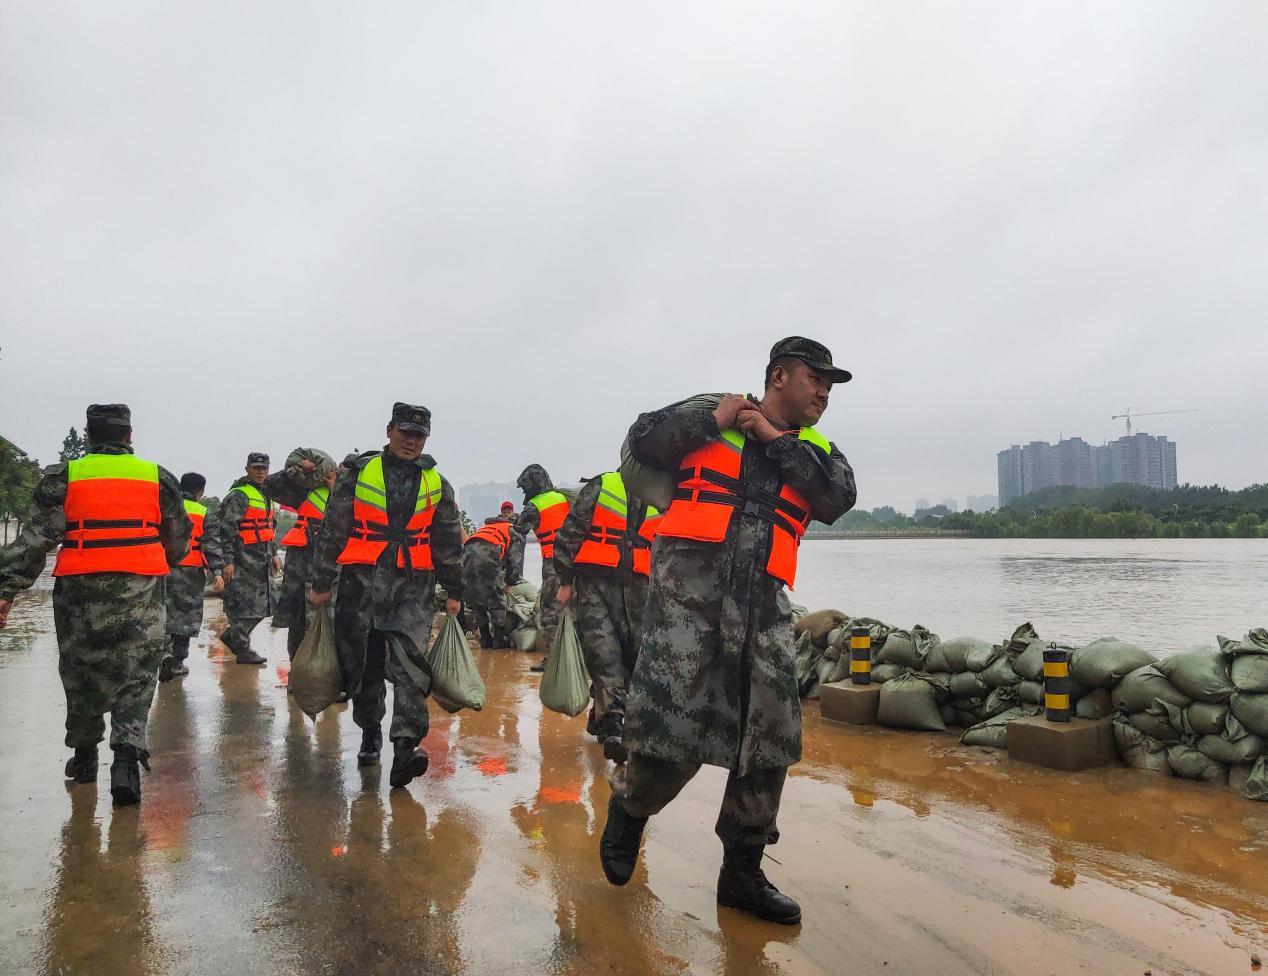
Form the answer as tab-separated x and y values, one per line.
860	656
1056	683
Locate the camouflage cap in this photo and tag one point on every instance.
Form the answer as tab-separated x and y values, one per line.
256	458
814	354
114	414
407	416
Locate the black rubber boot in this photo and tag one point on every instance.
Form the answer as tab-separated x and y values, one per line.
618	847
371	745
743	885
539	667
172	668
408	763
250	657
609	732
125	776
82	766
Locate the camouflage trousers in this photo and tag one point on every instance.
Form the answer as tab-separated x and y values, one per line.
369	702
483	593
111	635
291	596
750	805
548	617
609	614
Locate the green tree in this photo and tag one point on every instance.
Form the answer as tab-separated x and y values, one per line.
1246	526
18	477
74	445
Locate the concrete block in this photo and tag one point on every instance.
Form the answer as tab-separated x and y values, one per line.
1070	746
852	704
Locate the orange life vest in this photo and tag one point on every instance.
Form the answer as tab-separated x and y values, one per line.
257	523
371	532
197	513
710	492
496	534
552	508
608	526
311	509
112	517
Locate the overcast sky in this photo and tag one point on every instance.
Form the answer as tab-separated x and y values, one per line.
260	224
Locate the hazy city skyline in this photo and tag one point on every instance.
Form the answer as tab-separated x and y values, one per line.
261	225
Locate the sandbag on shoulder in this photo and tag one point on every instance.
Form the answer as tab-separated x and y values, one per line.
909	702
1105	662
1202	675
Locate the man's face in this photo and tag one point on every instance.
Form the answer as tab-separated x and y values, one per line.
405	444
257	473
803	393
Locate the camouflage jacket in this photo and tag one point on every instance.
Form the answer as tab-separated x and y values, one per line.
576	527
715	680
23	559
221	544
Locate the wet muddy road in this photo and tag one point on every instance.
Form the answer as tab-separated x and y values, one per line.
260	847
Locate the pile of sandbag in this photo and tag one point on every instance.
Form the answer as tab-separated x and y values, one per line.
522	611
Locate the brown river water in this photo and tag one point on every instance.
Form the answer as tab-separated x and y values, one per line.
261	847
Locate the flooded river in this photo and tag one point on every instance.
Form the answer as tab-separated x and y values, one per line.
261	847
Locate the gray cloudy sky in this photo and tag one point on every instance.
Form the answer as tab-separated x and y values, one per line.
260	224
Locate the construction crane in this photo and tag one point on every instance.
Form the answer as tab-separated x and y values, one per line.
1152	413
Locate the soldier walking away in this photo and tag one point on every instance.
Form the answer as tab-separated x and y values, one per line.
242	553
715	680
185	584
545	509
492	560
303	485
392	531
603	556
121	523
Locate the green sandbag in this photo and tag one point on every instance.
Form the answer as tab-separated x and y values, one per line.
1189	763
655	485
1256	787
967	654
1206	719
806	661
1000	674
909	702
1105	662
1245	750
1139	750
819	625
1238	777
999	701
1095	705
887	672
969	713
315	681
936	660
455	681
1155	726
900	649
798	611
565	686
993	733
1030	692
967	684
949	715
1252	711
1255	642
1250	672
524	638
1142	687
1024	651
1202	675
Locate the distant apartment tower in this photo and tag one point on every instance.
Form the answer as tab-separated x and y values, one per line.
981	503
1138	459
480	501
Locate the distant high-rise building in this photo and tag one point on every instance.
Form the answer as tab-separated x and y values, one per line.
483	500
1138	459
951	504
981	503
922	503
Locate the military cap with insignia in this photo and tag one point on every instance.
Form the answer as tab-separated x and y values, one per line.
407	416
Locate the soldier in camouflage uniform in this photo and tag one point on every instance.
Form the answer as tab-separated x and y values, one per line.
185	585
488	568
110	624
607	599
535	482
242	553
715	678
390	515
308	477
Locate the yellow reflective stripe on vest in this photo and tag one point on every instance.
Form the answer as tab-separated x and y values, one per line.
372	490
612	494
734	439
195	508
318	498
815	438
126	466
254	496
546	499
